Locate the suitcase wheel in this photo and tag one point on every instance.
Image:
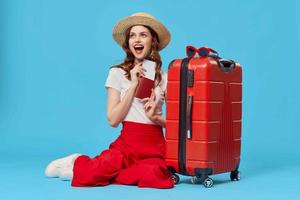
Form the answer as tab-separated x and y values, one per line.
195	180
235	175
208	182
175	178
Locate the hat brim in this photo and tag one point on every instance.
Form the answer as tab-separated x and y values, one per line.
119	30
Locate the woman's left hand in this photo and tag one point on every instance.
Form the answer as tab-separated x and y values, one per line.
150	106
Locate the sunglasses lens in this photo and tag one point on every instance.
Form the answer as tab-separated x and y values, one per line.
190	52
203	52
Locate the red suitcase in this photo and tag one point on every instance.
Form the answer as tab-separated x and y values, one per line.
203	118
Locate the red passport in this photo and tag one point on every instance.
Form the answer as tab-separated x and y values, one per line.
144	88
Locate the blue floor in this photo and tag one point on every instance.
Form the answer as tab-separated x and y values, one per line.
22	178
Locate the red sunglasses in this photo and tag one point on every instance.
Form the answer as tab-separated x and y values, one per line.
202	52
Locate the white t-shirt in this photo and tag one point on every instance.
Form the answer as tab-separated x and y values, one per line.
116	79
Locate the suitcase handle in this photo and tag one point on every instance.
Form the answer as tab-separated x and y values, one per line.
189	117
226	65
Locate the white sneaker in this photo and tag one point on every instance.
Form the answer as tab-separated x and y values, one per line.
66	174
56	167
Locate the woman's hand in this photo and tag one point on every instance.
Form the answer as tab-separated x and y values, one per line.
136	72
150	106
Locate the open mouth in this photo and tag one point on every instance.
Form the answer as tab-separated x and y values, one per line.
138	49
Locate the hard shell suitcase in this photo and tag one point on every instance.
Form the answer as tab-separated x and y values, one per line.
203	118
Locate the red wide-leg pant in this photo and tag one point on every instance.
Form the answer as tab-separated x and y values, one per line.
136	157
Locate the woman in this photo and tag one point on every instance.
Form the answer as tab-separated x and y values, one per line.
136	157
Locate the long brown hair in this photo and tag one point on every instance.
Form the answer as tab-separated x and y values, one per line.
128	63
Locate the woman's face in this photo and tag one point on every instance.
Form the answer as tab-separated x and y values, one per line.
140	42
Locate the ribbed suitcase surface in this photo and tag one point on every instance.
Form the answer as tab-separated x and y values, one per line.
203	119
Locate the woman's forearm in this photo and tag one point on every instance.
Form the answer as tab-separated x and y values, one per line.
119	112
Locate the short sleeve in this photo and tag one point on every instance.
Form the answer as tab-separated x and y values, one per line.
114	79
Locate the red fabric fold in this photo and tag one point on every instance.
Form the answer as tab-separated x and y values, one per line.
136	157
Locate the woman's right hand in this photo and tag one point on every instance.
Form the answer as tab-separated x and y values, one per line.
136	72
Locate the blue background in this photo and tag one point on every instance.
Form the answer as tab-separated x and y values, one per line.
54	59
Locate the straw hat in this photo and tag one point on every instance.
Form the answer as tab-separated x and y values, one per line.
141	19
